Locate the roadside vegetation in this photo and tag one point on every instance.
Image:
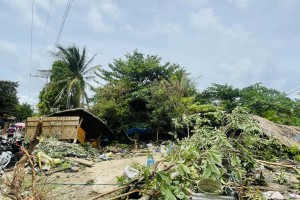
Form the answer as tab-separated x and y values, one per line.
214	140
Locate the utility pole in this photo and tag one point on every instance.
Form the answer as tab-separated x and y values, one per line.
43	73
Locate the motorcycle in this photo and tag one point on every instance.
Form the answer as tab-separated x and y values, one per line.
10	152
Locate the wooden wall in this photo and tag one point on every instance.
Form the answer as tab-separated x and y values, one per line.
57	127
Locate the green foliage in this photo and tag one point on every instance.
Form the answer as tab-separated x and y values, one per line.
8	97
23	111
141	92
48	96
210	153
257	99
282	178
268	103
224	95
69	79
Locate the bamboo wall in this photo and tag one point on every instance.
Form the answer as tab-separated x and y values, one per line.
57	127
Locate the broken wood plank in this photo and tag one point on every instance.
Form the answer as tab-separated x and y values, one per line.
81	161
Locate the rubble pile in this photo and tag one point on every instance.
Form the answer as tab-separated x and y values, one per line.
61	149
228	155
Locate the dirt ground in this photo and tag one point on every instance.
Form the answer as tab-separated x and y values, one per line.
73	185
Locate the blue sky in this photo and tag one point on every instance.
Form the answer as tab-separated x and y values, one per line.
235	42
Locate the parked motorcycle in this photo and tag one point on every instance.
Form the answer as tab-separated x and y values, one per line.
10	151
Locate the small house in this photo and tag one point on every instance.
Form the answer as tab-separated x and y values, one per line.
75	124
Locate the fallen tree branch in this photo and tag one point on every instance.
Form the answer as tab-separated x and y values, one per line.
106	193
278	164
123	195
19	171
33	181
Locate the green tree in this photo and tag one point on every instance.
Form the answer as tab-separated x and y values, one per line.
223	95
138	69
257	99
8	97
77	78
23	111
268	103
48	96
170	99
141	92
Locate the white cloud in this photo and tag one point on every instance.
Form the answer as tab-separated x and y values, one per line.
100	16
197	3
157	29
209	24
110	8
206	19
242	71
239	3
95	19
8	47
24	9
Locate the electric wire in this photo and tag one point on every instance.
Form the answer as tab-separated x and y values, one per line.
31	35
30	62
295	86
45	29
69	4
293	91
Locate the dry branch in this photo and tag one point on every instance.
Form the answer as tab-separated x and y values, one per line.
19	172
106	193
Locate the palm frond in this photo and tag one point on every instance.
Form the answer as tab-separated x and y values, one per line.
87	64
59	96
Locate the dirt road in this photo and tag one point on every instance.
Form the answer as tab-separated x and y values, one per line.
103	176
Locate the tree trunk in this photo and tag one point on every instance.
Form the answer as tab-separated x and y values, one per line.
157	132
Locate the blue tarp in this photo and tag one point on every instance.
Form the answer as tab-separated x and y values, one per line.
133	131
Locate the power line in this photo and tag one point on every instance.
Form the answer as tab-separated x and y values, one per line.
46	28
293	91
31	34
69	4
30	63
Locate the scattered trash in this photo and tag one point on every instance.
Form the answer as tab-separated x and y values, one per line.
149	145
210	186
75	169
106	156
294	196
205	196
47	160
130	172
273	195
150	161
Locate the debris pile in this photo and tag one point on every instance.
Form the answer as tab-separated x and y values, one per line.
61	149
228	155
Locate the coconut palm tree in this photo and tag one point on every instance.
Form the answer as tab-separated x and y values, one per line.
77	78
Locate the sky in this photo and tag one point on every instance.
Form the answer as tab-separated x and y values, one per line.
234	42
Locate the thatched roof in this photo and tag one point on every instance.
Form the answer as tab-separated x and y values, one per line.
287	135
91	124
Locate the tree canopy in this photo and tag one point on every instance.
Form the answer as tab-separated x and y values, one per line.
77	77
48	96
257	99
70	76
24	111
142	92
8	97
